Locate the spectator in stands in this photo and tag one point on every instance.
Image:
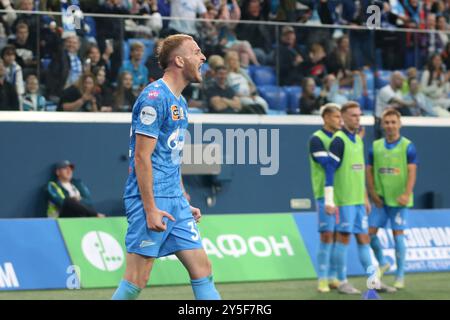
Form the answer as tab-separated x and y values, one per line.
314	65
265	6
290	58
99	61
111	32
124	96
442	26
25	48
309	103
8	95
68	197
433	40
242	84
259	35
330	90
423	105
214	61
446	56
14	73
209	32
149	27
103	91
220	97
435	82
186	9
80	96
410	74
135	67
32	20
391	96
154	69
32	99
341	65
65	68
227	35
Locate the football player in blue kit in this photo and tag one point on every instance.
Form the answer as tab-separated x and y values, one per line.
161	222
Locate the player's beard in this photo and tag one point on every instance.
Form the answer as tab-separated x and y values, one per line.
193	74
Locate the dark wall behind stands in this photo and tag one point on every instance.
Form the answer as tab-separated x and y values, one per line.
29	150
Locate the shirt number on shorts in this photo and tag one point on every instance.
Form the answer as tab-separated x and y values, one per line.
194	231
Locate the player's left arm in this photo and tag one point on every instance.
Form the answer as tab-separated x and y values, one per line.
412	175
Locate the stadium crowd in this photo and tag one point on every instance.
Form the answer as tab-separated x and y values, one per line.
103	66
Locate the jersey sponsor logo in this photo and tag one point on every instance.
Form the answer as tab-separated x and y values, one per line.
357	167
153	94
175	140
177	113
148	115
389	171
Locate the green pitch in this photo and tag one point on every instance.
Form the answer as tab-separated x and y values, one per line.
433	286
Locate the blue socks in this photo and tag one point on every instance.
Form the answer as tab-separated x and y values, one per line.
377	249
204	289
341	260
126	291
332	273
400	255
364	256
323	259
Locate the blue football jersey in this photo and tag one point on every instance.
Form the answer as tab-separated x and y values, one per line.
158	113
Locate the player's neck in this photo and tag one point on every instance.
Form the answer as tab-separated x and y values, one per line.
175	83
328	128
391	139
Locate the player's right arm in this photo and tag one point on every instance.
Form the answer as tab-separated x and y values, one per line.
371	182
336	154
151	117
145	146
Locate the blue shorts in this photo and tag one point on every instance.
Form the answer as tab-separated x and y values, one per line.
180	235
327	222
352	219
380	216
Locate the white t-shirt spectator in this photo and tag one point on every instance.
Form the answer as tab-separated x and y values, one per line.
385	95
187	9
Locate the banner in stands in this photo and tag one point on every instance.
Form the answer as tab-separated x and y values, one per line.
33	256
427	241
241	248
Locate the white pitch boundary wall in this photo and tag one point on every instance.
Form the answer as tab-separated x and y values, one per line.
82	117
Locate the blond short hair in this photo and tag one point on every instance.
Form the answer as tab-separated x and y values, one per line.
168	46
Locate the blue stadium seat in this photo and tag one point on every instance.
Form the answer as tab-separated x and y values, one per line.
92	27
383	78
45	63
204	68
370	79
263	75
275	96
148	43
293	93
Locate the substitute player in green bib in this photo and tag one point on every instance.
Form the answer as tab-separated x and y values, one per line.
345	195
391	176
319	161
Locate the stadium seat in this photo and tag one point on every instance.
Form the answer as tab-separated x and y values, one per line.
204	68
148	43
45	62
92	27
275	96
263	75
293	93
370	79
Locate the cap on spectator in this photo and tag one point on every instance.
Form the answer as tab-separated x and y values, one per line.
64	164
287	29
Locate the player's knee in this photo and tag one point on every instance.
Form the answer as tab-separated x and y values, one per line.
398	232
326	237
373	231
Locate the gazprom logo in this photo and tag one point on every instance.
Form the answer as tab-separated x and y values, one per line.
176	140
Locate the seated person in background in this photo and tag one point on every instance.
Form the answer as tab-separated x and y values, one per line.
423	105
94	60
410	73
80	96
309	103
391	96
154	69
242	84
8	95
124	96
32	100
435	82
220	97
68	197
213	62
138	71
